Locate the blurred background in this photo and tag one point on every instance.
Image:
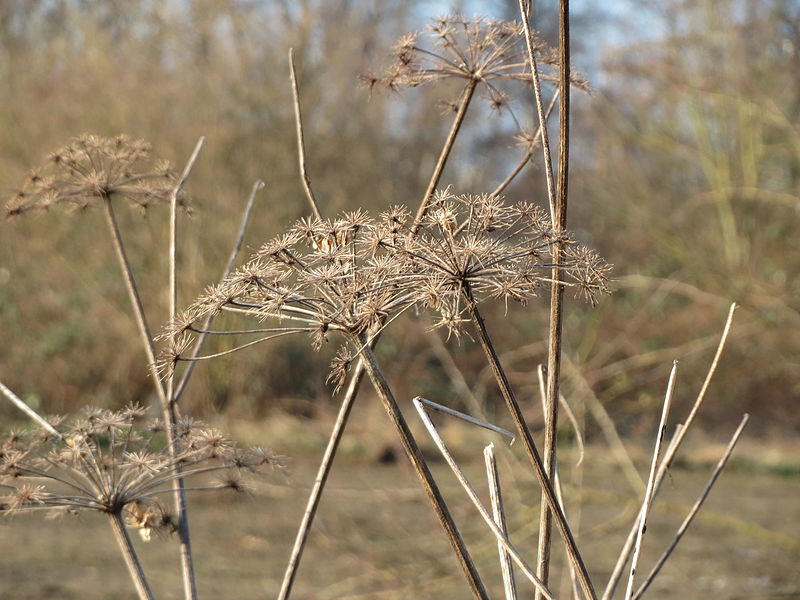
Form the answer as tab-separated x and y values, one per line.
684	175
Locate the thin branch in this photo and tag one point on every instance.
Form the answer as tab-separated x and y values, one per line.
237	246
529	153
301	147
498	512
421	467
549	495
648	495
473	496
625	552
170	415
537	91
695	509
468	418
322	476
461	112
20	404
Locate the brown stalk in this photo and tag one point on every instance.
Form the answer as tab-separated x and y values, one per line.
695	509
237	246
627	548
301	148
322	477
556	288
356	378
131	558
461	111
549	495
648	494
170	408
421	467
502	538
498	512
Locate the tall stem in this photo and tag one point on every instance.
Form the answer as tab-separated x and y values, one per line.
556	294
168	408
421	467
548	492
461	112
322	477
131	558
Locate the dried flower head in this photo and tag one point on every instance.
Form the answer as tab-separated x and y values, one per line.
113	462
91	169
322	276
469	248
477	50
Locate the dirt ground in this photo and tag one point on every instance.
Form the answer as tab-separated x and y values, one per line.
375	537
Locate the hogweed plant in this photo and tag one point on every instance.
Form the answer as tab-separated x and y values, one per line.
117	463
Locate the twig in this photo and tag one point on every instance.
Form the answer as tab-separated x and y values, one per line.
301	147
695	509
529	153
421	467
537	92
466	97
20	404
496	498
668	458
549	495
322	477
468	418
198	346
473	496
170	415
567	410
648	495
131	558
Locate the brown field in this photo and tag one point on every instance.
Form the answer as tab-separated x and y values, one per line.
375	537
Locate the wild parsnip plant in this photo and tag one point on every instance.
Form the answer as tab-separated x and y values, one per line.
118	463
345	279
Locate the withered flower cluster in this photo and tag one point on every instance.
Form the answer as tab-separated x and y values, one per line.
115	462
355	274
472	247
476	49
321	276
92	168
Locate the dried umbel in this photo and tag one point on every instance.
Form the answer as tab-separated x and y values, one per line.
91	169
476	50
469	248
116	463
320	277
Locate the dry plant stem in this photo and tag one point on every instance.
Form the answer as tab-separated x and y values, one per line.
131	559
556	289
473	496
237	246
461	112
537	92
20	404
695	509
136	302
421	467
173	243
322	477
498	512
530	447
529	154
648	495
301	147
170	415
625	553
